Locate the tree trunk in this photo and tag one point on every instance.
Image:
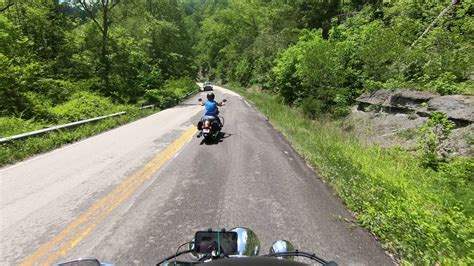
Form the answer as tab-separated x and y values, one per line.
106	7
105	68
451	5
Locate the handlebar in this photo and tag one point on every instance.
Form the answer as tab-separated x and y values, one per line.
276	255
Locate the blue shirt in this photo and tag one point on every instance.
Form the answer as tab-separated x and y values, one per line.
211	108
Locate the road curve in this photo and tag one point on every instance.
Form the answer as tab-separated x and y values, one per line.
132	195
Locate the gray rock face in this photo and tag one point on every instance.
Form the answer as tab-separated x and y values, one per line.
458	141
392	118
375	98
410	99
457	107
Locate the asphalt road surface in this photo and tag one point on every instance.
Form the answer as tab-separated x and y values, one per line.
132	195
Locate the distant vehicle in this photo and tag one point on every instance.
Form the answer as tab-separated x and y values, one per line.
207	86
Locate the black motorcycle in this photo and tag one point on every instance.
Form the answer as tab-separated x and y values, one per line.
209	126
239	246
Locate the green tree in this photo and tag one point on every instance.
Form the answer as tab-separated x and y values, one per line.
105	9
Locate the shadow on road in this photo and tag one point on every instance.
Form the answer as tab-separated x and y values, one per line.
220	138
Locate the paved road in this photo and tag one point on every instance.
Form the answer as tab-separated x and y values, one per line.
133	194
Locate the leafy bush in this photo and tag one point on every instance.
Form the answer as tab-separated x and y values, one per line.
313	67
11	126
312	107
320	65
171	92
181	86
432	134
84	105
15	82
46	93
54	90
445	84
284	76
339	106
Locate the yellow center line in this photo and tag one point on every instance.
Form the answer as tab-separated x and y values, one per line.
78	229
78	237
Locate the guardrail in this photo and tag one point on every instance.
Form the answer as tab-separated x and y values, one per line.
77	123
41	131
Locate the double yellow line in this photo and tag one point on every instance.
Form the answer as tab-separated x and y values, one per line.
81	227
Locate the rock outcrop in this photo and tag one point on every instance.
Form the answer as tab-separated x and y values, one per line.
458	108
374	98
411	100
392	118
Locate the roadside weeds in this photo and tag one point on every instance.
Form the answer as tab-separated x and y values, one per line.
421	215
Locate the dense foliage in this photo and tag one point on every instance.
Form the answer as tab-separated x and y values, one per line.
65	60
322	54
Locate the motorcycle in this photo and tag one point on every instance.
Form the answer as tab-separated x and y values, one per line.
209	126
238	246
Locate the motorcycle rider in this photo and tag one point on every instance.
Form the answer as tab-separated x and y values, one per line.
211	109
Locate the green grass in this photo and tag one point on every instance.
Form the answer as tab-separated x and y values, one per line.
421	215
16	150
81	105
10	126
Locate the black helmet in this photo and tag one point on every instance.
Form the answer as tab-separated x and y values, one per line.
211	96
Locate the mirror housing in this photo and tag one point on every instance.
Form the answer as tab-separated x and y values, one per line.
282	246
224	100
247	242
81	262
199	100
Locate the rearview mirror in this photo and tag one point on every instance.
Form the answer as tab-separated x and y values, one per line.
224	100
248	243
282	246
199	100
